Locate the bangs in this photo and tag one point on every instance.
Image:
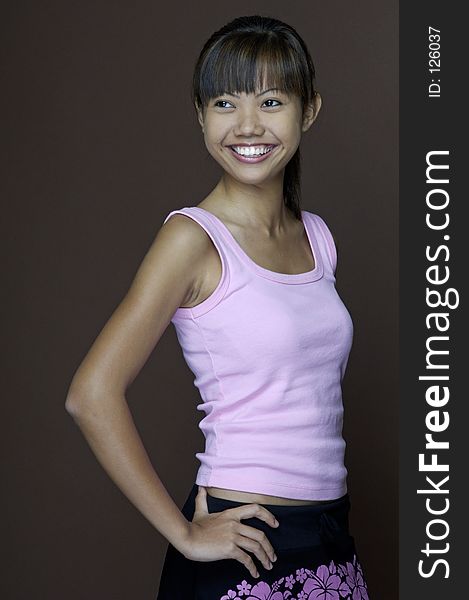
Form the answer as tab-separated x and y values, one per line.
251	64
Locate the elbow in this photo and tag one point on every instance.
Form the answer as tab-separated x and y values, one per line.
73	403
88	399
78	399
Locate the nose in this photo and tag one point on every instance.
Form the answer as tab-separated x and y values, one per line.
248	123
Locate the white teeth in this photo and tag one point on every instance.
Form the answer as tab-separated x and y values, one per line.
252	150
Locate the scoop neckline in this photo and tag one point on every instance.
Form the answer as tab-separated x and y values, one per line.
305	277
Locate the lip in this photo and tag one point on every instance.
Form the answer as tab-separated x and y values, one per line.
252	159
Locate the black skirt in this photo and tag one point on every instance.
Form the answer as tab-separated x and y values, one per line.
316	559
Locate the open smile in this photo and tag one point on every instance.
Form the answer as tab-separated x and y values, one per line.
252	154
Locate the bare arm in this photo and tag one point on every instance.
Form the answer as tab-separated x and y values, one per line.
166	279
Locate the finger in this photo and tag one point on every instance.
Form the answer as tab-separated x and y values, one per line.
256	510
256	548
201	507
259	536
246	560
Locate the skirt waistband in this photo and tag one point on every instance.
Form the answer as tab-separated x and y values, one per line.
303	525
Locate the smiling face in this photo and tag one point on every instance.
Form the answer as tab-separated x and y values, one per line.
254	136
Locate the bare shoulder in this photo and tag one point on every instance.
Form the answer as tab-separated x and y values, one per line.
176	258
181	231
206	264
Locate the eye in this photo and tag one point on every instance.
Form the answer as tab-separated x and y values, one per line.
217	103
273	100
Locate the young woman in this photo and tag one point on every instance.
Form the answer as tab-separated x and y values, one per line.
248	279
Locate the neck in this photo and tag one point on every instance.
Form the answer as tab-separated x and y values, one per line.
261	206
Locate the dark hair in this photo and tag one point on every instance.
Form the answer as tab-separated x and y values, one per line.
250	50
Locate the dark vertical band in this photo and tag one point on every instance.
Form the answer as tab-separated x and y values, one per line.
433	275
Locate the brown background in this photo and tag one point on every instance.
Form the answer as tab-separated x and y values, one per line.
99	143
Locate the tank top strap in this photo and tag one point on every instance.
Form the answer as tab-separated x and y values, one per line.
228	249
205	220
325	240
212	229
202	217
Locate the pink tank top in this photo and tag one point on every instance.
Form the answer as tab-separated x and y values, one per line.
269	351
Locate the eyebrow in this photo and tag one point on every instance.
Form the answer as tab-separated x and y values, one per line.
257	95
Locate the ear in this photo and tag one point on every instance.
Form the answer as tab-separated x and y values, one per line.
311	112
200	117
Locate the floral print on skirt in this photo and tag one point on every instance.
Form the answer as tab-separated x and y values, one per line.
316	559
